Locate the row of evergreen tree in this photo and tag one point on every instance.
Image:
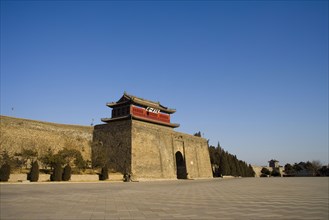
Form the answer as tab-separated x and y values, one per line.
226	164
57	174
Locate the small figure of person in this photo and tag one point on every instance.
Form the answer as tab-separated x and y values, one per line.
127	177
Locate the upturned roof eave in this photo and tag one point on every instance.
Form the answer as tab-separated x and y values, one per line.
148	103
113	104
115	119
153	105
142	102
108	120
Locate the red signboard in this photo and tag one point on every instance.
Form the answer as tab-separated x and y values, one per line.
146	113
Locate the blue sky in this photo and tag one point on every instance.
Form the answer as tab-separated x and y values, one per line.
252	75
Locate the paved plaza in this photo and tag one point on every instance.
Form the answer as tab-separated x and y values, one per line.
241	198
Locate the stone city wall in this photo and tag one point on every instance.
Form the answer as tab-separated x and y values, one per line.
112	146
154	148
18	134
128	146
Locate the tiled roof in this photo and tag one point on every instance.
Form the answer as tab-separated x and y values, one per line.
127	99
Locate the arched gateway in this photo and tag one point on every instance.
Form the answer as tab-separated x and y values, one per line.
140	139
180	166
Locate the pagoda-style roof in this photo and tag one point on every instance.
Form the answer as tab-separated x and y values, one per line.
130	99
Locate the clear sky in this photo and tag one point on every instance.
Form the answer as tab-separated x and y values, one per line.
252	75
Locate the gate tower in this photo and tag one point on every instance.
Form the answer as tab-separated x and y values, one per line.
139	139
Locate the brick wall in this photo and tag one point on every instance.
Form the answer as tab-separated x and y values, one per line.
147	151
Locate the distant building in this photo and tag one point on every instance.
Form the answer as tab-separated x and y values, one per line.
139	140
273	163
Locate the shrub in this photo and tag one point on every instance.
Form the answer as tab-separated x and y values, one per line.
6	158
28	155
79	162
33	176
67	173
265	171
5	172
47	159
57	173
104	174
275	172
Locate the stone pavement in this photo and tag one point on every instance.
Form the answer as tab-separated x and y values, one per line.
244	198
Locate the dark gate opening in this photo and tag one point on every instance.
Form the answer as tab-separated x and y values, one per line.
180	166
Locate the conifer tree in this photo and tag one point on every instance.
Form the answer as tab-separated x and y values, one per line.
237	166
57	173
227	167
104	174
33	176
232	165
228	170
228	164
242	168
67	173
212	154
5	172
223	164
